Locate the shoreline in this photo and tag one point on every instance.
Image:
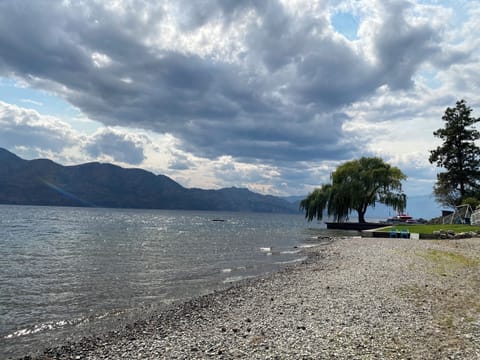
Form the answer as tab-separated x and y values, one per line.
351	298
166	316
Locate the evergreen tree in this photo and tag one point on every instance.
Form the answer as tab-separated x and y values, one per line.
458	155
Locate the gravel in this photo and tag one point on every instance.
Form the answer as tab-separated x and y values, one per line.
355	298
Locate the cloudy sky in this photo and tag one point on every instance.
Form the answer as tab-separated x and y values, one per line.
266	94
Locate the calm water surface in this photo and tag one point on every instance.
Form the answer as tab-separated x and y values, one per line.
65	272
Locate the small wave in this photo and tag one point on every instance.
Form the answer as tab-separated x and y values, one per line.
290	252
269	251
54	325
306	246
44	327
237	268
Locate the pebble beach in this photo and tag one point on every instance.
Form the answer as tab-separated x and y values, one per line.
353	298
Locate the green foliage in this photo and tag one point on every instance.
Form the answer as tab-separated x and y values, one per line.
428	229
355	186
458	155
472	201
316	202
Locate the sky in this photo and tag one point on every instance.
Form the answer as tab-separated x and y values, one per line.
270	95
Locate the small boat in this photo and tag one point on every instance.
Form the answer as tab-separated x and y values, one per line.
400	218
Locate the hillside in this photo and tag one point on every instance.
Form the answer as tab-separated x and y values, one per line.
44	182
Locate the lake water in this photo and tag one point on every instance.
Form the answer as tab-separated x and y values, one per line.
66	272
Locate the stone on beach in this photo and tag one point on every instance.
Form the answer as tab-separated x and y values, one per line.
352	298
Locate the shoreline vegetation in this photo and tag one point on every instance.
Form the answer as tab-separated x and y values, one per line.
362	298
428	231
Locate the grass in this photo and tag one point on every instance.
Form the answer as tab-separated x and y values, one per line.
454	311
448	259
429	229
453	301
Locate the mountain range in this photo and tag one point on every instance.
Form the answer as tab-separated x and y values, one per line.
44	182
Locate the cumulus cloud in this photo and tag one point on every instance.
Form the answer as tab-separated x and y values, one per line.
294	75
401	46
33	134
271	84
20	127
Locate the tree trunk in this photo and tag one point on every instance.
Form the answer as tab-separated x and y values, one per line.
361	216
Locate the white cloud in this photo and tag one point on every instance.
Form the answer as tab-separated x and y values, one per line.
265	95
22	127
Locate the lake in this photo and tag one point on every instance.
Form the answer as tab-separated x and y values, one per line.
67	272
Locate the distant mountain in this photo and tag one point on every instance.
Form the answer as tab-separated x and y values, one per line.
44	182
294	198
420	206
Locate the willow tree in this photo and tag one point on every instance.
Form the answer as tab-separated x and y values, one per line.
356	185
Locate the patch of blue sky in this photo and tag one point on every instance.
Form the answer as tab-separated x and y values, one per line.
429	78
346	24
45	103
447	3
460	9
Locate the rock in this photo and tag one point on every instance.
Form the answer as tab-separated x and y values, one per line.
381	307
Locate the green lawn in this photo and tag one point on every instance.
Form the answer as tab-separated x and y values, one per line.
429	229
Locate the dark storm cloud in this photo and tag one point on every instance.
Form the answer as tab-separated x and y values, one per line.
180	162
118	146
283	101
194	14
402	47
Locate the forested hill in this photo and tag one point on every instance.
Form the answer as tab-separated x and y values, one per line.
44	182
